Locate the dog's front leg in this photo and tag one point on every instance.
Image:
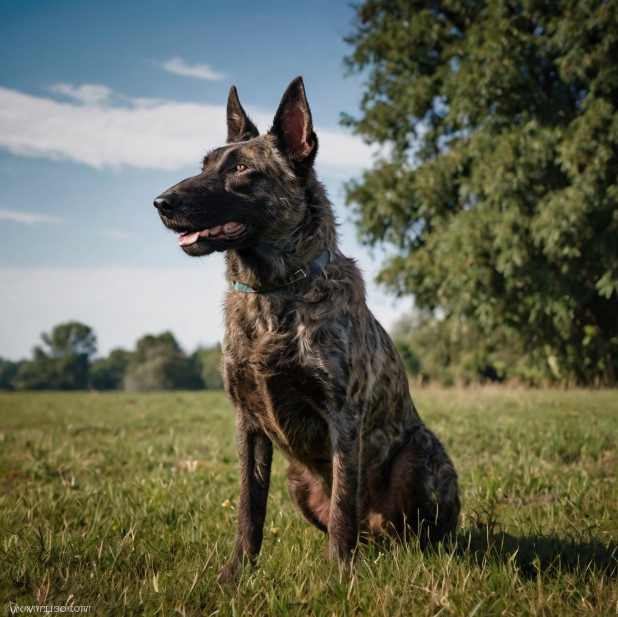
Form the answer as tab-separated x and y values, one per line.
255	452
343	522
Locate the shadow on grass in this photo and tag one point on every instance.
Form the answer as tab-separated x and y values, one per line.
549	554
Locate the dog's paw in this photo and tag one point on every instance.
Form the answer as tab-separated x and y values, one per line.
344	559
229	573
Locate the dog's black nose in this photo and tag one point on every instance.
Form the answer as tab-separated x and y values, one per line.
167	202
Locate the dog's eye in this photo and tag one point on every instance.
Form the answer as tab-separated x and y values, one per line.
240	168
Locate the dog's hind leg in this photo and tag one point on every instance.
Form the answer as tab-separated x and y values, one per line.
308	496
421	495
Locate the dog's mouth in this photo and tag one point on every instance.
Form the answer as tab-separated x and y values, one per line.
230	231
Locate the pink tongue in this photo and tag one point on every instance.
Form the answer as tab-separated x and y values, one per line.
188	239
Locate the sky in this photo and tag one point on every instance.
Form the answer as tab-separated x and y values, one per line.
103	106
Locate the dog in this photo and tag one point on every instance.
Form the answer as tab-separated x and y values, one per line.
306	365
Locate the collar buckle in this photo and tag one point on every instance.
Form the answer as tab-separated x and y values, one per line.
299	274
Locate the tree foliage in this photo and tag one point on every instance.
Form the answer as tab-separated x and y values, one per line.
497	189
160	364
109	373
70	338
452	351
64	365
68	372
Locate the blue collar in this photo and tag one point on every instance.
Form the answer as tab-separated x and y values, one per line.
313	266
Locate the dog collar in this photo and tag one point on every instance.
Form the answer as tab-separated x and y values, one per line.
313	266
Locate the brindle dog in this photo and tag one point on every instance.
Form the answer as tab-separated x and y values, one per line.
305	363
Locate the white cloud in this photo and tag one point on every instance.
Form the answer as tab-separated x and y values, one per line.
87	94
27	218
102	129
199	71
163	135
342	155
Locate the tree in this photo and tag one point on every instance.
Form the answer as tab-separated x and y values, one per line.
65	365
496	191
109	373
71	338
160	364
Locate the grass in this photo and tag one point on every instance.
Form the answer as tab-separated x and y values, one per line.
126	503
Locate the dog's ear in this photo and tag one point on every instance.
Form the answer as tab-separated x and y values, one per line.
239	126
292	126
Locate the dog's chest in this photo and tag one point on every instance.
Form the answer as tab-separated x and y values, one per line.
288	393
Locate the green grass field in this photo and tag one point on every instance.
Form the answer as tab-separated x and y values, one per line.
126	503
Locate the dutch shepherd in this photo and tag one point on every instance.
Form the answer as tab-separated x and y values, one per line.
306	365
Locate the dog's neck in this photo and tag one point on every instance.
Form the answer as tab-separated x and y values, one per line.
271	260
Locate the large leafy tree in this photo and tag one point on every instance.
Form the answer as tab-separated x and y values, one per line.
497	188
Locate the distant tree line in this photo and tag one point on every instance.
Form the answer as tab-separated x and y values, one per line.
66	361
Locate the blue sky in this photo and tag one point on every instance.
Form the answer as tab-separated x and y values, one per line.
103	105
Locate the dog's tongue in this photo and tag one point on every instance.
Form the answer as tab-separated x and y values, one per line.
188	239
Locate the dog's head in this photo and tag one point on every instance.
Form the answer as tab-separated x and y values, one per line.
252	188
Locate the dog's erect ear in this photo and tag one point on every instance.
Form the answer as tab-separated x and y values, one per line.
239	126
292	125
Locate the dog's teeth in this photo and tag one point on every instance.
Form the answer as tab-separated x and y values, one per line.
233	228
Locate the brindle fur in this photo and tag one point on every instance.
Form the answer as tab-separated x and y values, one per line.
308	368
